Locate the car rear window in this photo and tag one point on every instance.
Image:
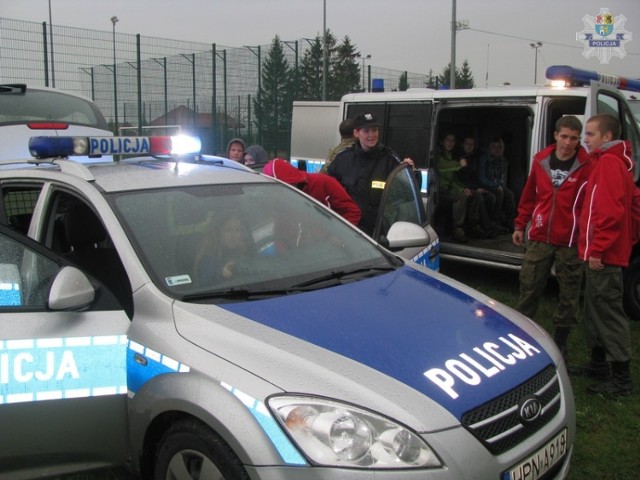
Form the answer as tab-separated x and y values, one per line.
47	106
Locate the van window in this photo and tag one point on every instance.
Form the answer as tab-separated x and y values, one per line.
405	127
613	105
558	108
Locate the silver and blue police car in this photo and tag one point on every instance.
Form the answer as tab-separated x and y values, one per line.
189	318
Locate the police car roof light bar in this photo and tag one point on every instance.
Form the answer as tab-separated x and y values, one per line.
60	147
584	77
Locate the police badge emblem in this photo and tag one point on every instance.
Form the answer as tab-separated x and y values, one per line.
604	36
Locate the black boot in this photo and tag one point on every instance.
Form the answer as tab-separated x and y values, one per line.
561	337
618	385
597	368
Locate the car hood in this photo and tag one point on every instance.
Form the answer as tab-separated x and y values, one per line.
419	328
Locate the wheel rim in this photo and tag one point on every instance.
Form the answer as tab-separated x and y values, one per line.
192	465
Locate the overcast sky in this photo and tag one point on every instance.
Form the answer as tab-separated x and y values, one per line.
413	35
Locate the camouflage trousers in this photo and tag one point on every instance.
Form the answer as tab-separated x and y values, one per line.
538	261
606	324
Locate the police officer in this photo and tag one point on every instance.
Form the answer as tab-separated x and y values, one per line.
363	168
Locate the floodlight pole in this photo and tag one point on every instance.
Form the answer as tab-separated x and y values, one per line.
364	57
53	69
452	65
325	52
114	20
536	46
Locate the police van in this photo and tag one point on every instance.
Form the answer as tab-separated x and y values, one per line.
188	317
523	117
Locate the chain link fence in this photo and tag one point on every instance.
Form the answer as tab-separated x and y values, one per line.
144	82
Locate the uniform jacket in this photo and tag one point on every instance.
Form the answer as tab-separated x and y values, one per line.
606	230
343	145
364	175
323	188
554	212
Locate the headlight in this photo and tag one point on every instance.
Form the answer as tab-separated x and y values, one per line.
336	434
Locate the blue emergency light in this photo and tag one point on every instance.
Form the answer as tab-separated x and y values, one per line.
576	76
57	147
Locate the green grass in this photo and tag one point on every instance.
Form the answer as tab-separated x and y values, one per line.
608	431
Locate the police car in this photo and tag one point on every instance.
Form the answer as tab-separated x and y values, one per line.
143	327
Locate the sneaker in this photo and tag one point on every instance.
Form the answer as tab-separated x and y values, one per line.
459	236
614	387
596	370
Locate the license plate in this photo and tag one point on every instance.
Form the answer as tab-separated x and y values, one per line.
536	465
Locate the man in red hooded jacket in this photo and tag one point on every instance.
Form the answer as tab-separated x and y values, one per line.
606	239
325	189
550	202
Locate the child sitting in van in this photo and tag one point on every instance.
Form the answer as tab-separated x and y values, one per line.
492	173
464	204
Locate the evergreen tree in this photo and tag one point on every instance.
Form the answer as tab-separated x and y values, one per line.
312	65
344	76
310	87
443	78
465	80
464	77
274	102
432	80
403	83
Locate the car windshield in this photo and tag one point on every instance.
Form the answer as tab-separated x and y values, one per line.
234	242
48	106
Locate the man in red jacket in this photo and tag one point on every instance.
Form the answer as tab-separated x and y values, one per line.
325	189
553	189
606	239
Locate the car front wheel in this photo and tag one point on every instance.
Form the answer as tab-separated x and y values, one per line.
192	451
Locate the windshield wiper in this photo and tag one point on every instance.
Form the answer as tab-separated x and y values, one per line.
333	278
337	277
236	294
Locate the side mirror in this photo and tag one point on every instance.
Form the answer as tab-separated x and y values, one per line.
70	290
406	235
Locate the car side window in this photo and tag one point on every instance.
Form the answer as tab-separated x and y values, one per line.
25	276
18	203
401	201
76	232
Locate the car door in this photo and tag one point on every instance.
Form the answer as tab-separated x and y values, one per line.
605	99
62	366
402	204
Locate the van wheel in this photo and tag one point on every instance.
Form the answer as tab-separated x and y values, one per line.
190	450
632	289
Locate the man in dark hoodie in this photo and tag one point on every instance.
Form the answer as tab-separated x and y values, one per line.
323	188
235	150
550	202
255	156
606	239
363	169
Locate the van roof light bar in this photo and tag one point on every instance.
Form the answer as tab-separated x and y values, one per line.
577	76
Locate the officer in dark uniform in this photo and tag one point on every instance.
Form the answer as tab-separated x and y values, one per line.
363	169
